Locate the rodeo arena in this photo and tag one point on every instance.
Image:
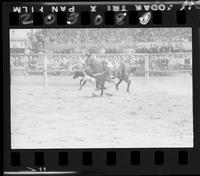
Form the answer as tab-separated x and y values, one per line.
101	88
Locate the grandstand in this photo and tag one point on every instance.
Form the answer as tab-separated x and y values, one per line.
65	40
161	52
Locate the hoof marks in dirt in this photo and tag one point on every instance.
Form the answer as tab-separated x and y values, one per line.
134	113
155	117
96	95
109	94
93	96
140	108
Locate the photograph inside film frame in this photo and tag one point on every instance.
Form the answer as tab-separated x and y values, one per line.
101	88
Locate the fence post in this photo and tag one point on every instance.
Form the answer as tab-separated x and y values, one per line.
45	71
147	67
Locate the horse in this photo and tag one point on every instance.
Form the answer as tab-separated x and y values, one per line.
98	67
123	73
100	78
95	65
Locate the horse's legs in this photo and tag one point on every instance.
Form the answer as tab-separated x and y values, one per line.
128	84
118	84
102	87
97	85
81	81
82	85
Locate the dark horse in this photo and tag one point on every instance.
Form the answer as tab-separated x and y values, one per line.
123	73
101	79
95	67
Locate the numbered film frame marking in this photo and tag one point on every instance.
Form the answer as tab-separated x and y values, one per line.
103	161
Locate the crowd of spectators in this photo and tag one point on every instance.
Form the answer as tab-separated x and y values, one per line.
66	40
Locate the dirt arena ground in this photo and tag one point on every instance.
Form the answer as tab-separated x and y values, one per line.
157	113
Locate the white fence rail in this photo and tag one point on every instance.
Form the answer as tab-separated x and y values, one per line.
149	64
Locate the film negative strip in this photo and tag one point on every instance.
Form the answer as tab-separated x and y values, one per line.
101	88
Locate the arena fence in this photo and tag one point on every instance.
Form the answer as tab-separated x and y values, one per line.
148	64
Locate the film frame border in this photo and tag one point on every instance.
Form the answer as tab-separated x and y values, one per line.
148	159
175	10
